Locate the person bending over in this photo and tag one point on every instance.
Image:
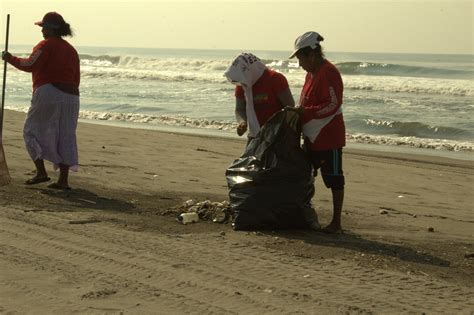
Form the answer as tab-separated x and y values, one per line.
260	92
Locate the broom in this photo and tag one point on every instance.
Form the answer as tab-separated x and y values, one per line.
4	174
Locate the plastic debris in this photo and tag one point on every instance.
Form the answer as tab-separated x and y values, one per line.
207	210
189	217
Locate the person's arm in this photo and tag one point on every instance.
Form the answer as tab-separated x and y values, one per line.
330	98
286	98
241	115
282	90
35	61
240	112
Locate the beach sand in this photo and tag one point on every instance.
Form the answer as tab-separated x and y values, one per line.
112	244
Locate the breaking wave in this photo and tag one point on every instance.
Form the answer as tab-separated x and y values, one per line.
226	125
356	75
410	129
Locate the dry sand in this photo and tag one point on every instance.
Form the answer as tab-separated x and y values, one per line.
112	245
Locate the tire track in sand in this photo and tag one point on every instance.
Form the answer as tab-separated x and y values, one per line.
203	268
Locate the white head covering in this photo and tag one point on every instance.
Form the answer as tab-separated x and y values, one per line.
245	70
308	39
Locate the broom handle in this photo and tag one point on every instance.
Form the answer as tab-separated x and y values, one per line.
4	76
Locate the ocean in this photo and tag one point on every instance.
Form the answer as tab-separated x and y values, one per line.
419	101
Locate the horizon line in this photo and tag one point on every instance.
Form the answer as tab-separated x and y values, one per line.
273	50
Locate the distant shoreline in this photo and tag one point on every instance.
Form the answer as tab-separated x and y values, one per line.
375	148
230	134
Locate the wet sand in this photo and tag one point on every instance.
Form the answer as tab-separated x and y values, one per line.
112	244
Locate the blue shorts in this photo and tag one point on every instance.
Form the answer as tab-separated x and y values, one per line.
330	163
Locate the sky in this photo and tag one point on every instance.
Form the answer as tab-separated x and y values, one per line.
403	26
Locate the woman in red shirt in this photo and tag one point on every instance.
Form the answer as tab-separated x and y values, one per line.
260	93
50	126
321	118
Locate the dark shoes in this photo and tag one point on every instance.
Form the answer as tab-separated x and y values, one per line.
37	180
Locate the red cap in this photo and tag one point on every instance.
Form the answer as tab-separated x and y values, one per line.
51	19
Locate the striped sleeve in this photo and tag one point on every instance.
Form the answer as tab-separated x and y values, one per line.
329	91
37	58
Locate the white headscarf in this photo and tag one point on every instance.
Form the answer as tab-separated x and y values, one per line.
245	70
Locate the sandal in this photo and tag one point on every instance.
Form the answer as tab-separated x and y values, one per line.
56	186
37	180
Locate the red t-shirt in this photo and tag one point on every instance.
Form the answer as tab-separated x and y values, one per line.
265	91
322	97
53	60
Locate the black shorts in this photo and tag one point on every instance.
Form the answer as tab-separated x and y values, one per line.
330	163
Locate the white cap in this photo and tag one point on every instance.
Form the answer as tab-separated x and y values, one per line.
308	39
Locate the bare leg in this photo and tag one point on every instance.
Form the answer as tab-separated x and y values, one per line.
41	174
40	169
337	200
63	176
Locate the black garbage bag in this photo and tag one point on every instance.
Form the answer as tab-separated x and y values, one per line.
271	184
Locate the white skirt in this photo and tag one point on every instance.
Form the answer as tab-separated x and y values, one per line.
50	127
